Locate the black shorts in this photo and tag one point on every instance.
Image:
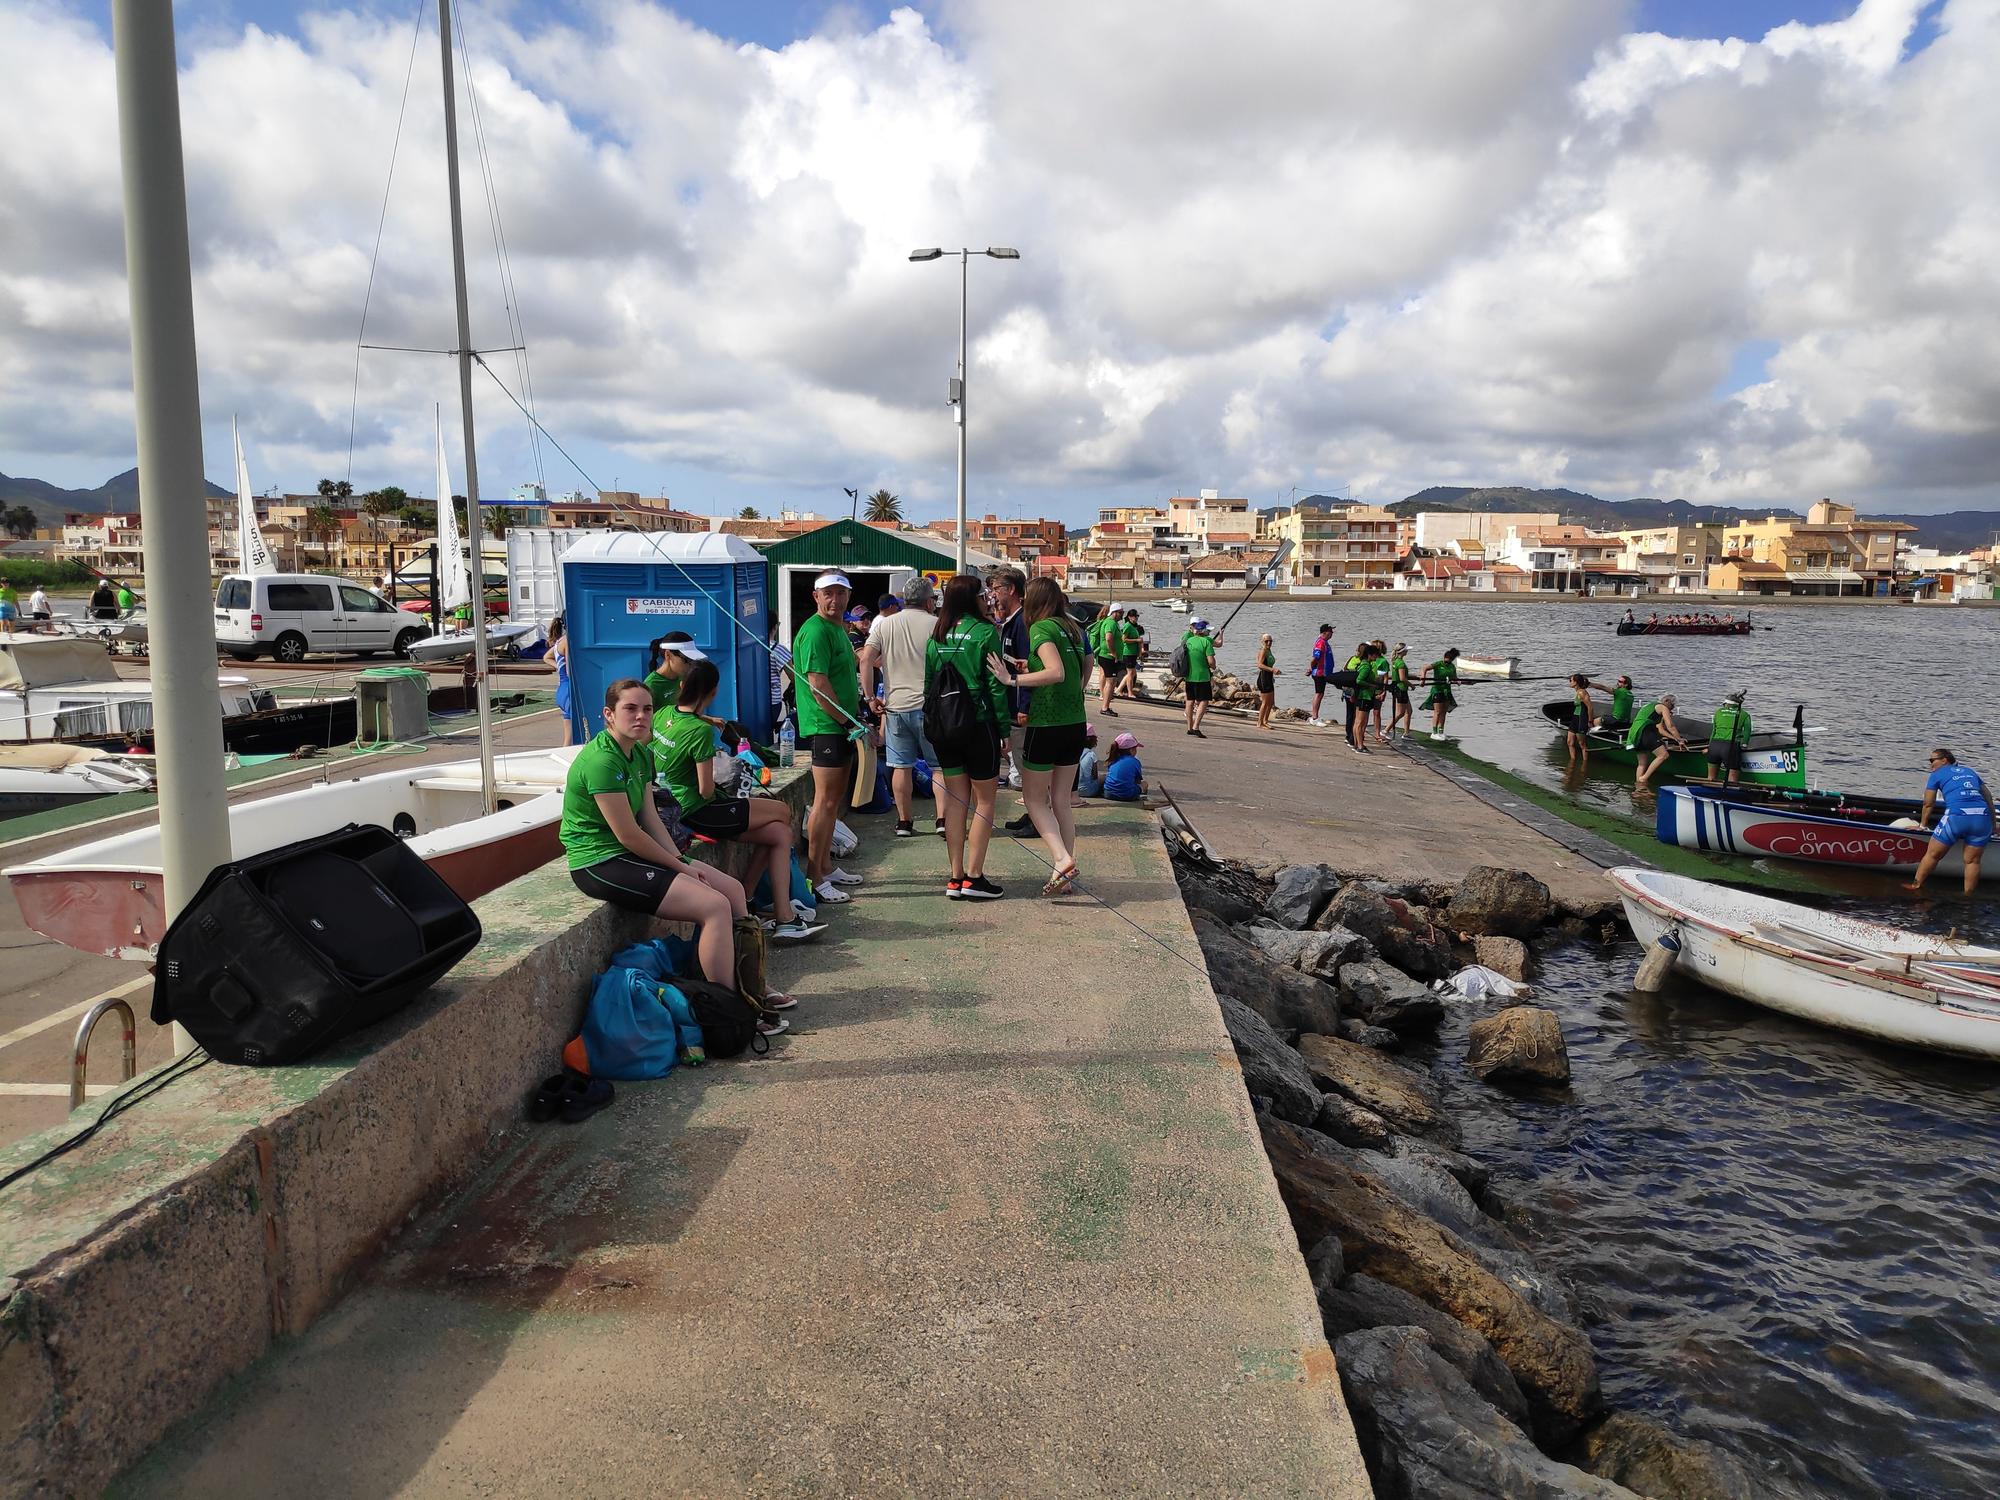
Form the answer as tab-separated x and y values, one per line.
1200	692
1725	753
1050	745
830	752
1319	683
977	755
1401	695
1577	724
1266	682
1649	740
625	881
1108	665
722	819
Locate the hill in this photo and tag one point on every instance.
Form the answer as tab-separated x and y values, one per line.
49	502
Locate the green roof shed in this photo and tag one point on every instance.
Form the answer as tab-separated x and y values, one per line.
867	554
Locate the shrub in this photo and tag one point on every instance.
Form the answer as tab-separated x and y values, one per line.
26	572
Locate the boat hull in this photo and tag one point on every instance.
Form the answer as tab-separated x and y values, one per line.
1698	818
108	897
1821	990
1490	666
1640	627
1775	760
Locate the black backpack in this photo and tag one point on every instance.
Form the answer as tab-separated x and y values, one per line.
951	714
727	1020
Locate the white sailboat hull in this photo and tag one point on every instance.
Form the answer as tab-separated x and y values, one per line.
107	897
457	643
1861	977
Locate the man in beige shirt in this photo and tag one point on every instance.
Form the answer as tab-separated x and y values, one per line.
895	646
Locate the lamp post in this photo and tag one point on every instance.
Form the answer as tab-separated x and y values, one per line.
957	393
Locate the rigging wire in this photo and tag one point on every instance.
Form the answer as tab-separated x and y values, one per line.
354	397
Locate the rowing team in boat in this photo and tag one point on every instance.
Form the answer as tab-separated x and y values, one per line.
1651	732
1652	621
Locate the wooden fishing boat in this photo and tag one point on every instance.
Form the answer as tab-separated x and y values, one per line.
1695	627
1878	981
1824	828
1489	666
1768	759
106	897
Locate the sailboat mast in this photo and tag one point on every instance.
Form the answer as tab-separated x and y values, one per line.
486	787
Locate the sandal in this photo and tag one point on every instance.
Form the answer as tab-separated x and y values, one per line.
774	1001
1061	883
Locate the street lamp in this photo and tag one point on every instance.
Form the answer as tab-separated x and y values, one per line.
957	389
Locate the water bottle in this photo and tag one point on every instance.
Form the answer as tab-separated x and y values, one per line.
788	744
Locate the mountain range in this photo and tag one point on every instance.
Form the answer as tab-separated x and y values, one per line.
49	502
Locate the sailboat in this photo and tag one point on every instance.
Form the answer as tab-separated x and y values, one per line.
455	584
478	823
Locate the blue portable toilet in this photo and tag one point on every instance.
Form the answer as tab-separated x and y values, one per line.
623	590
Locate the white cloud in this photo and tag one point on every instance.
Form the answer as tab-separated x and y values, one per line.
1337	246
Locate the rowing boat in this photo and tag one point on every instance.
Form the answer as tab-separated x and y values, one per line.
1863	977
1661	627
1777	760
1824	828
108	896
1490	666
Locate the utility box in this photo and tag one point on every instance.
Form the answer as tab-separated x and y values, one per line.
623	590
393	703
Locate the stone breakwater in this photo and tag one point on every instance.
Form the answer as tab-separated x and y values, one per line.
1464	1365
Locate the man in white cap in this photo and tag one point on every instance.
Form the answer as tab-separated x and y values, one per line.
827	680
896	645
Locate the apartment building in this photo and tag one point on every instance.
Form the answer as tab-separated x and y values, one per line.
1018	540
1446	531
1671	559
1200	516
1565	559
1352	546
1834	551
111	542
622	508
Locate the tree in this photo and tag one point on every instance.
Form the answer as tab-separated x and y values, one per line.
18	522
883	506
378	503
498	520
748	513
335	489
322	526
416	513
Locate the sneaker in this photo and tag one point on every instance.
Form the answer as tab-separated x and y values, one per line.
1436	735
840	877
905	828
827	891
955	889
1197	734
1109	712
1022	827
979	888
937	827
795	931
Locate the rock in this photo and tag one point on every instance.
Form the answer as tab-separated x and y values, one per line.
1385	996
1470	1174
1271	1070
1362	1034
1317	953
1230	910
1505	956
1299	893
1411	944
1505	903
1363	1302
1325	1264
1426	1434
1521	1044
1436	1194
1404	1098
1289	1000
1381	1236
1663	1465
1350	1124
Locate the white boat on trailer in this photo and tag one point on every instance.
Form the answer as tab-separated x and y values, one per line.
106	897
1909	988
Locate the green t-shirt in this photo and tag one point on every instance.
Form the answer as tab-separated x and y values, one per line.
1621	705
971	641
601	766
7	594
1731	724
126	599
1129	636
1097	628
1646	716
681	742
1055	702
1444	673
1201	657
821	645
664	689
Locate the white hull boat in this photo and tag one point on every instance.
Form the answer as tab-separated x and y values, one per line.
503	638
1490	666
34	778
1877	981
106	897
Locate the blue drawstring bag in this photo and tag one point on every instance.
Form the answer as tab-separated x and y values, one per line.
803	906
635	1027
661	958
920	774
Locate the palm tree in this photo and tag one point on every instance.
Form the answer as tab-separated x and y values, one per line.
498	520
335	489
883	506
18	522
748	513
322	526
375	505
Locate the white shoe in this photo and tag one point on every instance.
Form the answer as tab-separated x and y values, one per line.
1317	723
827	891
1436	735
840	877
795	931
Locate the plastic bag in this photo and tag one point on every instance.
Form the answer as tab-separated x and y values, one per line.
845	840
637	1027
1477	982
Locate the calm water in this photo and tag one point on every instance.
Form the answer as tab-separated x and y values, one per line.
1788	1240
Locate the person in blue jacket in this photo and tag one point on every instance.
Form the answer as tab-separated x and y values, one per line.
1124	777
1966	818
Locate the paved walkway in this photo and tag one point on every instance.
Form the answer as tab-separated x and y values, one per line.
993	1221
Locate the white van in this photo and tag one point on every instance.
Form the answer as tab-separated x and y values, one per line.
289	614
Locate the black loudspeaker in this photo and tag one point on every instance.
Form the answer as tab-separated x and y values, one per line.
286	951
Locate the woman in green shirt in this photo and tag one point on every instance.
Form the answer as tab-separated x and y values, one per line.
619	851
1441	674
1267	681
966	640
1399	689
1054	743
684	750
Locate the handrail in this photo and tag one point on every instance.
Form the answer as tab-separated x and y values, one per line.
84	1028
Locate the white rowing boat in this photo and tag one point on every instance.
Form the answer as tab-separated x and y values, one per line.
1490	666
1904	987
106	897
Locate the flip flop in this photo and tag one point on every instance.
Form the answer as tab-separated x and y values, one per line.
775	1001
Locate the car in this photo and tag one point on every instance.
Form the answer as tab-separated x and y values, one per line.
288	615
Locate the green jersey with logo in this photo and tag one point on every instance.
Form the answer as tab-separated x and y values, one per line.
601	766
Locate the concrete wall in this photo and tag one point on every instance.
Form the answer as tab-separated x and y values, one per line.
160	1258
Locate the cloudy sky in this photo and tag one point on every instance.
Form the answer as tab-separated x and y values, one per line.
1737	252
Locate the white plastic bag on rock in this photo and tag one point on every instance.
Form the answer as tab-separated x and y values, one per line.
1477	982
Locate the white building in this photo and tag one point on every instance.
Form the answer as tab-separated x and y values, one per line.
1442	531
